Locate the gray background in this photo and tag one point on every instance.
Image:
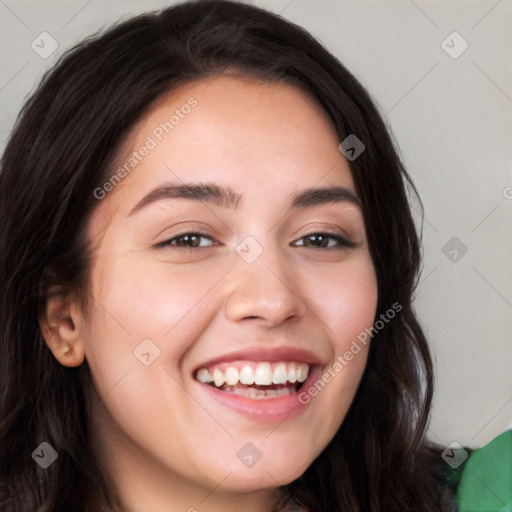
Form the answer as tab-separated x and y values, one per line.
452	120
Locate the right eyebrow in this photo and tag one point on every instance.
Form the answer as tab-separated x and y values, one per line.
207	192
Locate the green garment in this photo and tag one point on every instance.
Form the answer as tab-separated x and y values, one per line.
484	480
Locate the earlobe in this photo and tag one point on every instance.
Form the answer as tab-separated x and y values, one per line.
61	329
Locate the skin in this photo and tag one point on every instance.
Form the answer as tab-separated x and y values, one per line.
162	441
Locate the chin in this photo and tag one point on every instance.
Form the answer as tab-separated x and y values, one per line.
266	474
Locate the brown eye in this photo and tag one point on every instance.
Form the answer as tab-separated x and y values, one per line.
321	241
324	241
187	241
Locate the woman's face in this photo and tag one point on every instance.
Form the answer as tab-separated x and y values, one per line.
233	277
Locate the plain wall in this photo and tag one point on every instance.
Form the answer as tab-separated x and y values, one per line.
452	120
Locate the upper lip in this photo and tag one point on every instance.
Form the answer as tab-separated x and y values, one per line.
260	354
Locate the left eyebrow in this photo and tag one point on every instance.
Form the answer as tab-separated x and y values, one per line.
225	197
319	196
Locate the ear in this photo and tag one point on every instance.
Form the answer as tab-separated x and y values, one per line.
62	329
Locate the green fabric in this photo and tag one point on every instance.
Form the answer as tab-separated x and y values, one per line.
485	479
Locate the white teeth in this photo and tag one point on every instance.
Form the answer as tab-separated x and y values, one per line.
263	374
203	375
247	376
262	393
218	377
232	376
249	392
279	376
249	373
302	372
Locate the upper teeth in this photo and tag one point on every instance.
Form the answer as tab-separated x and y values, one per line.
249	373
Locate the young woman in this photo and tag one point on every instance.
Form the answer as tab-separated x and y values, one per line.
207	265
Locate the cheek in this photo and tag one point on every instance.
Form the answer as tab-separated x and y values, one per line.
346	304
136	300
150	294
344	299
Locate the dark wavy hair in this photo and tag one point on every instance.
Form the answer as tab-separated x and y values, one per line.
63	146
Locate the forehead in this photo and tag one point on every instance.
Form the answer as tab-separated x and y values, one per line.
261	138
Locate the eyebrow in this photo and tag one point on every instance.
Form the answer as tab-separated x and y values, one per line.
225	197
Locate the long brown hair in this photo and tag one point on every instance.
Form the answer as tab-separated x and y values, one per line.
62	149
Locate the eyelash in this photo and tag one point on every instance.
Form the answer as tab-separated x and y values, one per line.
343	243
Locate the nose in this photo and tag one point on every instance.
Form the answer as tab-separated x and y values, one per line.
264	291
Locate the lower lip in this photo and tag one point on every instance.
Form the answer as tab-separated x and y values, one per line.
265	410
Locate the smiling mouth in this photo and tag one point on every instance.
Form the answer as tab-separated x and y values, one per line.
257	380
